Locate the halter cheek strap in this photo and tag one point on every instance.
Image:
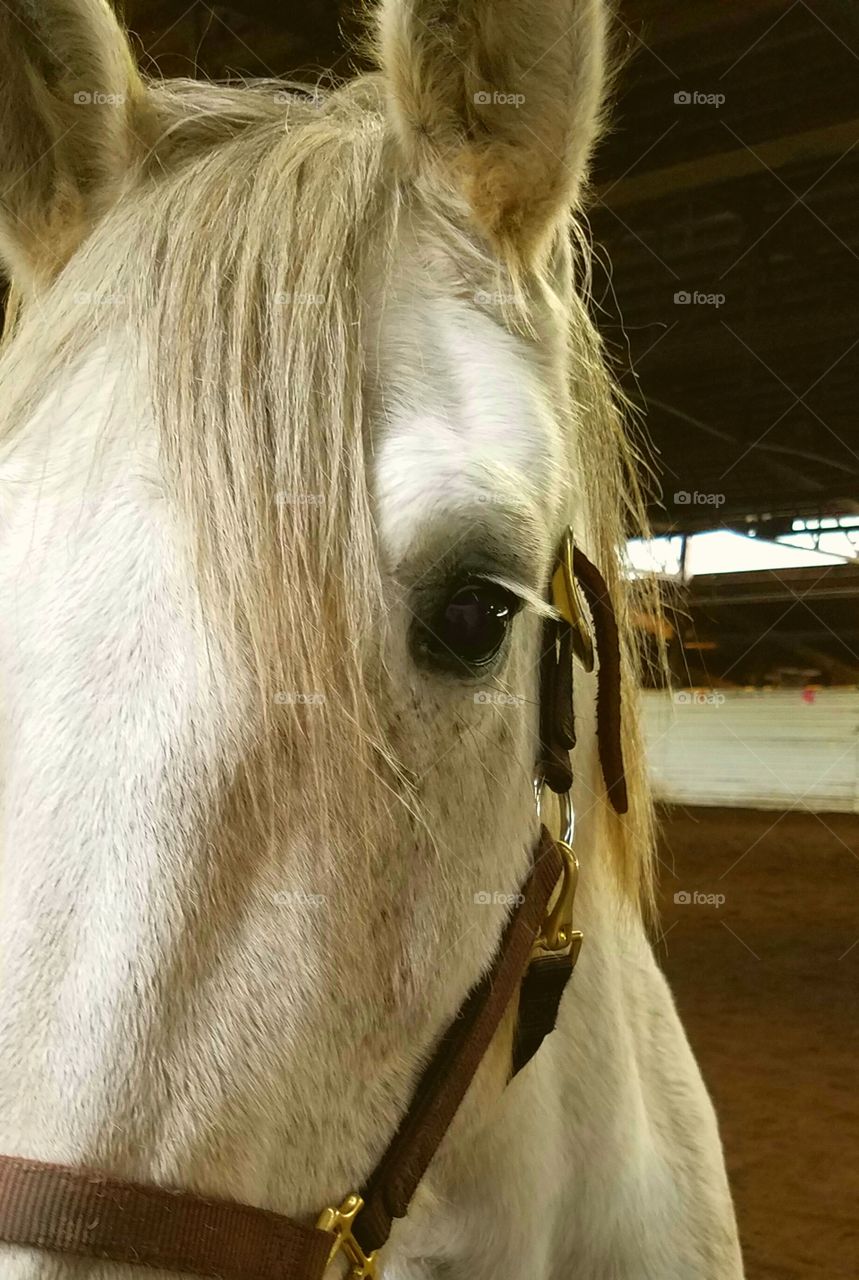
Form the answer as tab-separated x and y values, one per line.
563	636
607	637
83	1212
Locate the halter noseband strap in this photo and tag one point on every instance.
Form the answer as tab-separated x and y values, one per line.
83	1212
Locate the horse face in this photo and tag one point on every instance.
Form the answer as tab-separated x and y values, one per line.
279	530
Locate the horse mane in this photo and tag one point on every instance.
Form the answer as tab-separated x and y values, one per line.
238	255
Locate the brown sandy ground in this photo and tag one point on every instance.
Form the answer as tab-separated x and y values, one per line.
768	987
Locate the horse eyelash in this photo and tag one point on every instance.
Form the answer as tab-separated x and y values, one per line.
531	599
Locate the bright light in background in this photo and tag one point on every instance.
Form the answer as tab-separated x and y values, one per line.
722	551
726	552
655	555
827	522
837	543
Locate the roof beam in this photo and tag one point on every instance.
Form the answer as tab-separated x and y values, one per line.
726	166
663	21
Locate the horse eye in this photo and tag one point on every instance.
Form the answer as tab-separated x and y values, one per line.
468	629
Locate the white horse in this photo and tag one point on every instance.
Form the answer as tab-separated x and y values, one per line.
298	394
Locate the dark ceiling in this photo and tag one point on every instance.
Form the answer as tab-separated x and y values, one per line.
752	204
725	218
744	199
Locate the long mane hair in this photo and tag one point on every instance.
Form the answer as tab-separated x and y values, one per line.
237	261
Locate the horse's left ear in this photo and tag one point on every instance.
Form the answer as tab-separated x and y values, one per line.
73	119
504	99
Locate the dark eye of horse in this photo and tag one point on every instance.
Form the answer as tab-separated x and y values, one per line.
469	627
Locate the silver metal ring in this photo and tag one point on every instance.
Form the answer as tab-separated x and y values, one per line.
565	805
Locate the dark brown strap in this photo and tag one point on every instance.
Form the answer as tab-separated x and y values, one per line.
45	1206
539	1003
609	687
452	1067
557	726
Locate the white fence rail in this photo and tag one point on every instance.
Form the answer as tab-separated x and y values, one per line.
759	749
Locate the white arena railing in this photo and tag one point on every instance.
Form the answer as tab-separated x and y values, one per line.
756	749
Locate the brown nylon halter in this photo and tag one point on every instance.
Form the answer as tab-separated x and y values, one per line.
85	1213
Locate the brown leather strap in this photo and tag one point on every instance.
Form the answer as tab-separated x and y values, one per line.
608	696
46	1206
557	724
609	680
539	1004
446	1079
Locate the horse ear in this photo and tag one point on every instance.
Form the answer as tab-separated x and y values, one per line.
503	98
72	112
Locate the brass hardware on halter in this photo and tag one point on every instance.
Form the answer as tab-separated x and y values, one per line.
362	1266
568	602
557	935
558	940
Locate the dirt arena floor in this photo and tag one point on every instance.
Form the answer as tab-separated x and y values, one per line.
767	982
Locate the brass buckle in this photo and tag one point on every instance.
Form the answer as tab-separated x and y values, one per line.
568	602
557	936
362	1266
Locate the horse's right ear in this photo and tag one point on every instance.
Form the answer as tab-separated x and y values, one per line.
502	101
73	123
